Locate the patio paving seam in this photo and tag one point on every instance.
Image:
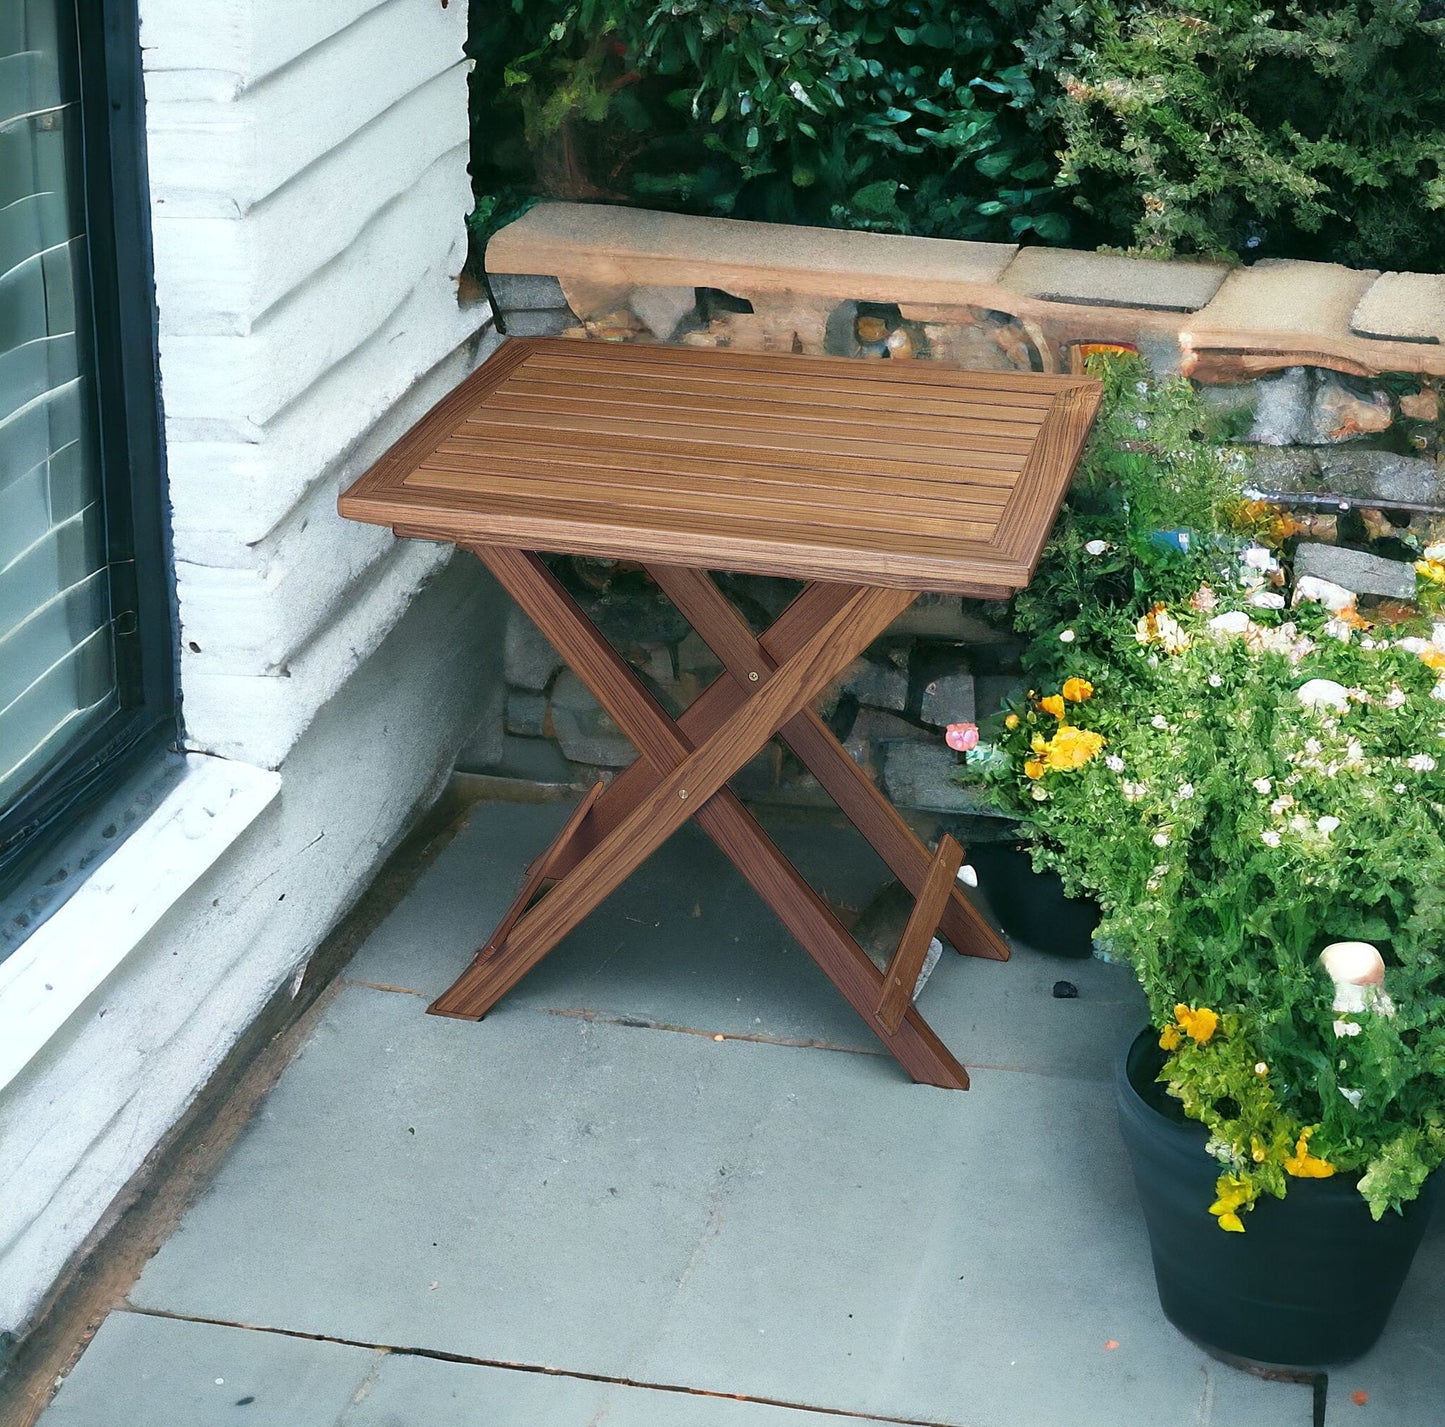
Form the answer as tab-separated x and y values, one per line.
638	1023
440	1355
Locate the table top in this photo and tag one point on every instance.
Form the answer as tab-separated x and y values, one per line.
902	474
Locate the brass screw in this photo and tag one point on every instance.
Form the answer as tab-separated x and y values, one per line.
753	675
682	792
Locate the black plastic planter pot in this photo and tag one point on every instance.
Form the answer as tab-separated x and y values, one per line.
1031	905
1312	1279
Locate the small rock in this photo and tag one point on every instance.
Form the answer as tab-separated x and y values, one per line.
899	343
662	309
949	698
526	714
528	661
546	322
532	292
919	775
1065	991
584	731
1356	570
879	686
1282	408
1421	405
1341	410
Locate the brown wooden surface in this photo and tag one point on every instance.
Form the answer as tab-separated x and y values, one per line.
663	746
898	474
903	970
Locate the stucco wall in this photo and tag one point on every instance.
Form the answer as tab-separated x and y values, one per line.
308	187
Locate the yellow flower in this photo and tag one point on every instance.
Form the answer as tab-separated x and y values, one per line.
1077	690
1039	743
1432	570
1160	627
1034	768
1303	1165
1433	658
1233	1193
1071	748
1054	704
1257	1150
1011	722
1199	1025
1169	1038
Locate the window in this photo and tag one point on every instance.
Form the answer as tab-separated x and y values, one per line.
87	664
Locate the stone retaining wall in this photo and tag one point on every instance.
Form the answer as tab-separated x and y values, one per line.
1328	378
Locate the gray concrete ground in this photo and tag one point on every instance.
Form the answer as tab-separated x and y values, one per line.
671	1181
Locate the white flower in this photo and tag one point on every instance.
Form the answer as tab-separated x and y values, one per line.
1299	823
1328	824
1281	804
1095	547
1186	791
1314	747
1067	637
1421	763
1269	837
1161	839
1233	622
1260	1068
1114	763
1399	788
1347	1028
1215	681
1133	791
1395	698
1263	785
1039	794
1318	693
1438	692
1159	721
1353	1096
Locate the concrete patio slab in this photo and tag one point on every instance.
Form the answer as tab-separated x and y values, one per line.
790	1224
141	1371
686	942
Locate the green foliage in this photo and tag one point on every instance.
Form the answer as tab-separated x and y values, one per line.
906	115
1311	128
1307	128
1239	784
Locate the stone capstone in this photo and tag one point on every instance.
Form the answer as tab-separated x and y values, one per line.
544	322
1403	307
1356	570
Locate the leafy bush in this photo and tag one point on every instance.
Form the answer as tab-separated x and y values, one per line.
909	115
1310	128
1307	128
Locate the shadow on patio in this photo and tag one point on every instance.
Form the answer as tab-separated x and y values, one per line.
671	1179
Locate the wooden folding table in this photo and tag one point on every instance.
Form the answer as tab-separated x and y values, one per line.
870	481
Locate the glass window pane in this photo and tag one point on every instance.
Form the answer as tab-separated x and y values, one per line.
57	664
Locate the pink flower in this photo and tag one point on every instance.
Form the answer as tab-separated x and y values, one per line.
961	736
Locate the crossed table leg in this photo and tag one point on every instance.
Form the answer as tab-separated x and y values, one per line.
681	772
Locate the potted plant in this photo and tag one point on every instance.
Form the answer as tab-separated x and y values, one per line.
1255	795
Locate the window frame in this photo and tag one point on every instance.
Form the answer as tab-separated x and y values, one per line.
105	49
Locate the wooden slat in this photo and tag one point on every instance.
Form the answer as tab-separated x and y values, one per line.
520	393
903	970
762	436
719	498
649	357
617	453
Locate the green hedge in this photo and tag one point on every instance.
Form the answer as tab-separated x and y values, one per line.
1206	126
